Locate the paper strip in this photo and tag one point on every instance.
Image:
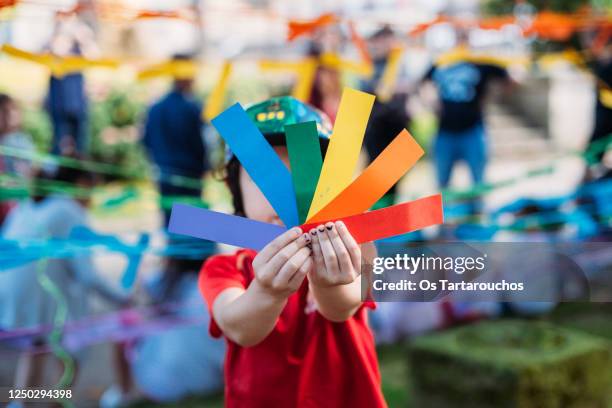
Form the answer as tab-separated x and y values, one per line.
214	104
397	158
259	160
344	147
245	233
391	221
227	229
305	159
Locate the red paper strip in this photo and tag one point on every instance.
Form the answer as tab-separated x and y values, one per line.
391	221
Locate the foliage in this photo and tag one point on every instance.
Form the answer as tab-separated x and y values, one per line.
500	7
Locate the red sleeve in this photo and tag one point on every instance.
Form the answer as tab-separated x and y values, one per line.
219	273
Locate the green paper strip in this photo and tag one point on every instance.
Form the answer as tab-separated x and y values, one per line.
306	162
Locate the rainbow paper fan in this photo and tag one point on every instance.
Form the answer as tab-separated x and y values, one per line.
315	191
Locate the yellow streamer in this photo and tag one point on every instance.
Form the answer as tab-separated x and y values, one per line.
214	105
462	54
344	147
384	91
179	69
59	66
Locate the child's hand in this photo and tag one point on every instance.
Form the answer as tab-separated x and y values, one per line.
280	268
337	257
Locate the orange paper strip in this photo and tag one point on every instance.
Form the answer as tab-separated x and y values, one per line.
397	158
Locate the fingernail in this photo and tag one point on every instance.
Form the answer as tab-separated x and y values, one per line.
329	227
306	237
297	231
321	228
313	231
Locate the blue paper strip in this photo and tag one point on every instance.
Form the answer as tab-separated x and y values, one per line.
219	227
259	160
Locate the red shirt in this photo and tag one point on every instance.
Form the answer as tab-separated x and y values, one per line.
306	361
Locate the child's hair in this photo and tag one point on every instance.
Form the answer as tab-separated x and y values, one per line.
231	172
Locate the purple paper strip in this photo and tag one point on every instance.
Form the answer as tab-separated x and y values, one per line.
219	227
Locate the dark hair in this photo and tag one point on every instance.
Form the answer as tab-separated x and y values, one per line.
5	101
383	32
231	172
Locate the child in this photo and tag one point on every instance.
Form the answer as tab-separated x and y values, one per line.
12	137
292	314
23	300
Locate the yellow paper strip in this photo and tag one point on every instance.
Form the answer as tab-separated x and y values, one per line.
214	104
344	147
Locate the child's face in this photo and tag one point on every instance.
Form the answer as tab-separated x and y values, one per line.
256	206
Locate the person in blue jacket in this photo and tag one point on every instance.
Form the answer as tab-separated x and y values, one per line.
173	138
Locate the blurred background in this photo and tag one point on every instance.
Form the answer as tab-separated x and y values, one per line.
104	123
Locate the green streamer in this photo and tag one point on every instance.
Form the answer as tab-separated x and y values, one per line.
59	321
306	162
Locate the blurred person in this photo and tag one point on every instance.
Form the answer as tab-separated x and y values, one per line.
601	68
296	328
387	118
66	102
175	363
12	136
24	303
327	86
173	137
462	87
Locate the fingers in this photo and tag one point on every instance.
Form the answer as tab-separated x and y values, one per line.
344	259
317	255
350	244
291	267
277	244
298	277
327	249
285	254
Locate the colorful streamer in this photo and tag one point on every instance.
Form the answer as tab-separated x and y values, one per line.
58	65
214	104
